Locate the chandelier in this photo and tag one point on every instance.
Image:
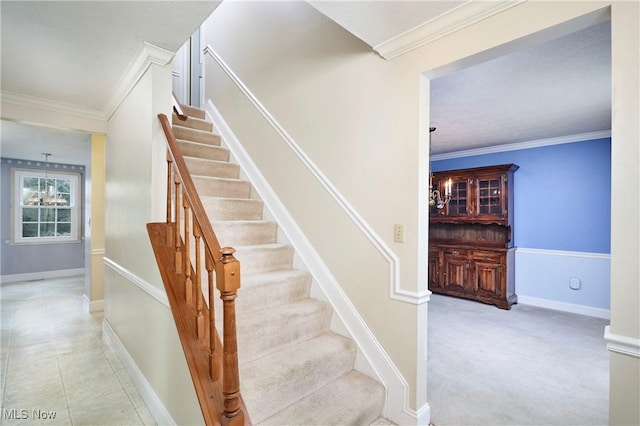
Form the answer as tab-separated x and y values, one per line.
435	198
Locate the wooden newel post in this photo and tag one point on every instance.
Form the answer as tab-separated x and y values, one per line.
228	283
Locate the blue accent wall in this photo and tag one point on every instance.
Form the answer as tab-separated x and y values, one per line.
562	195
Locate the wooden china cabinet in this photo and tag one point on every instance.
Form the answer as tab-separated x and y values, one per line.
471	252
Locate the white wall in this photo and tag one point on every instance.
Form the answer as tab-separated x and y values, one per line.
135	168
362	121
625	214
297	88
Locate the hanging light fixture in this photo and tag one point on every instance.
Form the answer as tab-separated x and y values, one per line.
435	199
46	193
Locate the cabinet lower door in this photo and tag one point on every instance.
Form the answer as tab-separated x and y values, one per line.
456	265
488	275
434	269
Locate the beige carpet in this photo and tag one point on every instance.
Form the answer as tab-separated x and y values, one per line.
526	366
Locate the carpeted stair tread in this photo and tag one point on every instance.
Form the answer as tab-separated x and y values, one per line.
267	290
195	135
268	330
192	123
264	257
354	399
221	187
193	111
202	150
215	168
277	380
222	208
293	370
245	232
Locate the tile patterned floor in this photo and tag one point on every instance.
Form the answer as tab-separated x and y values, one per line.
54	366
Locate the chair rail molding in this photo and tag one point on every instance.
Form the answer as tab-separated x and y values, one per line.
622	344
159	294
397	387
395	292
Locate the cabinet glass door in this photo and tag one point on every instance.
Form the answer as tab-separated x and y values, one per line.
490	196
458	203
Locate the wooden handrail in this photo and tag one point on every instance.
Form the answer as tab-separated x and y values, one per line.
214	372
177	108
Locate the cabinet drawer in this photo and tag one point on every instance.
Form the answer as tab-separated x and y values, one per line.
487	256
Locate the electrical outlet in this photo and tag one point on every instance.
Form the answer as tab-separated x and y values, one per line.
398	233
574	283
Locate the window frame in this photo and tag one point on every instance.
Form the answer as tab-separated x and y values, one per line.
18	176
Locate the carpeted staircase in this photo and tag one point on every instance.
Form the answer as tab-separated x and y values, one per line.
293	369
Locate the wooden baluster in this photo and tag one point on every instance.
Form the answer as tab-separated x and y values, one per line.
169	234
198	285
188	284
228	282
176	238
214	373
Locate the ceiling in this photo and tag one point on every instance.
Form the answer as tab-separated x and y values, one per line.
557	88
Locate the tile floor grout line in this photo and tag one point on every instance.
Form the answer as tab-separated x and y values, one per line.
51	299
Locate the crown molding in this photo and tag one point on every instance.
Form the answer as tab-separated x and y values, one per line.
32	102
147	55
579	137
442	25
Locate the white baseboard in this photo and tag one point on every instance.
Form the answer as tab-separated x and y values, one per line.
41	275
566	307
154	404
92	305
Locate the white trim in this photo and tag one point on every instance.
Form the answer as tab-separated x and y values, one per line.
579	137
442	25
387	372
151	399
622	344
45	275
18	176
97	252
147	55
150	289
583	254
92	305
564	307
395	292
33	102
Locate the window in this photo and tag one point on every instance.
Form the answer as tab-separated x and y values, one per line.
46	206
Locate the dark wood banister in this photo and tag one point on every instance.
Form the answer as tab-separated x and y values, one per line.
221	403
177	108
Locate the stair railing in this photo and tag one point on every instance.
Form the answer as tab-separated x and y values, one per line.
215	376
